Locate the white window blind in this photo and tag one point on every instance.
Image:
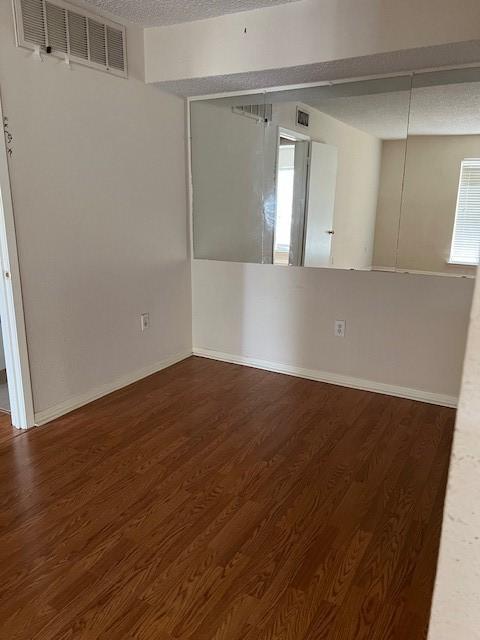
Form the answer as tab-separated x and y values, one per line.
465	247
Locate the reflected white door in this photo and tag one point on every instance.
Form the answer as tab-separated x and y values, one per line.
320	205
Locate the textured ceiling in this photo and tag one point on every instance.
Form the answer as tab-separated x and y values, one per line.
382	115
407	60
452	109
446	110
150	13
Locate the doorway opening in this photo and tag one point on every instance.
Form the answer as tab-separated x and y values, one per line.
291	181
15	386
283	220
305	201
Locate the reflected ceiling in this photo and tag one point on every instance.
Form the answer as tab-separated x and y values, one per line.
443	110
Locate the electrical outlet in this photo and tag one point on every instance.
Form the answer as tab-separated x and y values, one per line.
145	321
340	328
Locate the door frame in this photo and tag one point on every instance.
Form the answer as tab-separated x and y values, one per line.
295	136
11	303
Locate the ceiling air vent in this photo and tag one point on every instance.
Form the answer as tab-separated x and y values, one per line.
303	118
261	112
61	30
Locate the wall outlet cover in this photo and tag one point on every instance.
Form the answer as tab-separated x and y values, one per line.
340	328
145	321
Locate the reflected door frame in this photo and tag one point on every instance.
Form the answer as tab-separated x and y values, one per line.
299	204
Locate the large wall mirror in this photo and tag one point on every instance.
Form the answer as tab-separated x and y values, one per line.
374	175
439	228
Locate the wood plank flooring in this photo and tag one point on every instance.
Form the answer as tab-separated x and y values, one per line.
217	502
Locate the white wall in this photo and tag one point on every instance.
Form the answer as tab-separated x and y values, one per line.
98	181
456	602
302	33
389	204
402	330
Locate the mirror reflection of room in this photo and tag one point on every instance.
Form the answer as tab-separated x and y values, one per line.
440	221
227	171
365	175
337	196
295	177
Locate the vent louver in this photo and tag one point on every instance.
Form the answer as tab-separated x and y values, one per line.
33	21
97	44
86	39
303	118
116	58
57	27
262	112
77	31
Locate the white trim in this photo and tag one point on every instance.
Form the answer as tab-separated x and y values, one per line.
11	303
291	134
460	196
189	181
414	272
326	83
456	263
332	378
42	417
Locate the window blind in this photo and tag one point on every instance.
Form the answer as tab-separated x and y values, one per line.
465	248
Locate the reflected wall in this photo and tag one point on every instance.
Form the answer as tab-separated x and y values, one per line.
440	219
357	175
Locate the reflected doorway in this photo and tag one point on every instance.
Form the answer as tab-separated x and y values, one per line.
291	186
305	201
283	219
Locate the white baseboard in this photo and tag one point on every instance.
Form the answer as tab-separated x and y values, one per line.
41	417
332	378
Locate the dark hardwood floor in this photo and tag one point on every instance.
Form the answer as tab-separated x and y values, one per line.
212	501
